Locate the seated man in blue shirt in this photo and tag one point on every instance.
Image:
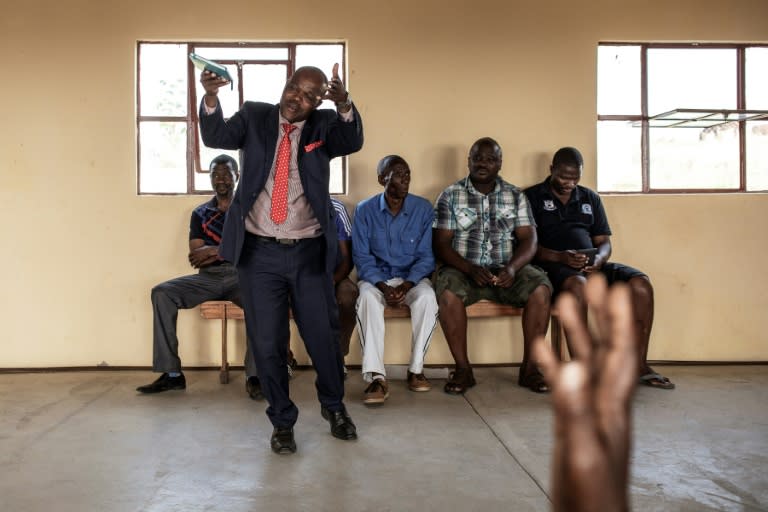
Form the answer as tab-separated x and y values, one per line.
215	280
570	221
392	250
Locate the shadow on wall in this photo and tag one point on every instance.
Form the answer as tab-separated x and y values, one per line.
533	169
445	165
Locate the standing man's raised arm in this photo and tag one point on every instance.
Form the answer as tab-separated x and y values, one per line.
211	83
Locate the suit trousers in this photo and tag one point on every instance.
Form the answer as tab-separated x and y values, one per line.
370	324
217	282
272	276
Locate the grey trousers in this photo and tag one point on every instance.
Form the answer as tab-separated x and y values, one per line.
211	283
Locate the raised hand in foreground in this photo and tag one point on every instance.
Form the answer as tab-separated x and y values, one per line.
592	401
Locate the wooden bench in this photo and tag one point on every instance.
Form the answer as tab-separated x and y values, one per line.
224	310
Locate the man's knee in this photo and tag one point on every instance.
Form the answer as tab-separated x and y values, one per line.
641	288
346	294
541	296
369	296
447	300
575	286
160	293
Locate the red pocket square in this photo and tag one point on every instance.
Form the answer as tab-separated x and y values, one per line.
313	145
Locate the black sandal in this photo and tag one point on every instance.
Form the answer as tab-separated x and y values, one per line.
459	381
534	381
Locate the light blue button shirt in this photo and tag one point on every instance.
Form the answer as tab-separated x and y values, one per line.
386	246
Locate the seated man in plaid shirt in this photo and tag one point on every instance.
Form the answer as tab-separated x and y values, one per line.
485	236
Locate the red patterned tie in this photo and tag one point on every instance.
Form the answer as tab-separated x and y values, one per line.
279	210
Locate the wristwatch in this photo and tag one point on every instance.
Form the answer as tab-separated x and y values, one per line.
345	104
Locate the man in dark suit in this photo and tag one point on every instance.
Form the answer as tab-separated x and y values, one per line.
280	233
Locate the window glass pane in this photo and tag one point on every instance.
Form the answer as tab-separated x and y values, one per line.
691	78
618	80
336	183
322	56
163	157
618	157
757	155
264	82
757	78
203	181
163	79
228	95
694	158
239	53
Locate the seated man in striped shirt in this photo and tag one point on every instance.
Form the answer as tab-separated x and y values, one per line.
346	290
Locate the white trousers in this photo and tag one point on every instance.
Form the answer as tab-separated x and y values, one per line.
370	324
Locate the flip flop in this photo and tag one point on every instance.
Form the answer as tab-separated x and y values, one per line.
535	382
656	380
459	381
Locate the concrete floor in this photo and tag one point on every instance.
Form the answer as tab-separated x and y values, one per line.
87	442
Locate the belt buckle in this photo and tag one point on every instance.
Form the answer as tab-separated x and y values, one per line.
286	241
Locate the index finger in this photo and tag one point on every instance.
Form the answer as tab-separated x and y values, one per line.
336	70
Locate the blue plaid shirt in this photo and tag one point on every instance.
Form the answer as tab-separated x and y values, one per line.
483	225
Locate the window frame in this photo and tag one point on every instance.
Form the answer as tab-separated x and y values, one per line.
193	164
644	119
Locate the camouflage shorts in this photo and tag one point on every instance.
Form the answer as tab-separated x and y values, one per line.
526	280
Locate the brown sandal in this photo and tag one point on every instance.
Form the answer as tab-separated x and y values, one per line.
459	381
534	381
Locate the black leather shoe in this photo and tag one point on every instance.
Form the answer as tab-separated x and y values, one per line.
341	424
164	383
253	387
282	441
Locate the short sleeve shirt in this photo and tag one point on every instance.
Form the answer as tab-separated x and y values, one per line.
207	224
483	224
562	227
343	224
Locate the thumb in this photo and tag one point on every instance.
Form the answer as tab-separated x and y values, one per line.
336	70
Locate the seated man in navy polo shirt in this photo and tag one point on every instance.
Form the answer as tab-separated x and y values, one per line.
571	224
216	280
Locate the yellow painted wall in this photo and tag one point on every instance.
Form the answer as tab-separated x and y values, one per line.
82	250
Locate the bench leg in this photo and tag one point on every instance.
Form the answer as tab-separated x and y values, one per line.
224	372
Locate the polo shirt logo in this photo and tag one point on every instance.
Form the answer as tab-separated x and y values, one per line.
586	209
549	205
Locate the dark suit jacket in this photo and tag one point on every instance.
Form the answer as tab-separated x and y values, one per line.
254	130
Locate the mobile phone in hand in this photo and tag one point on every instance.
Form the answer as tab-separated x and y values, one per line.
591	252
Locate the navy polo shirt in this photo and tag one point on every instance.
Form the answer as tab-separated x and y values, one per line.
561	227
207	224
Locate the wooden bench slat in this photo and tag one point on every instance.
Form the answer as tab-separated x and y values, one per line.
215	309
225	310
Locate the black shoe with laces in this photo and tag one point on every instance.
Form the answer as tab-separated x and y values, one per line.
164	383
342	426
282	441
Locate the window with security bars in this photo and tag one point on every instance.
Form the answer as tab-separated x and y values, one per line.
682	117
171	156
